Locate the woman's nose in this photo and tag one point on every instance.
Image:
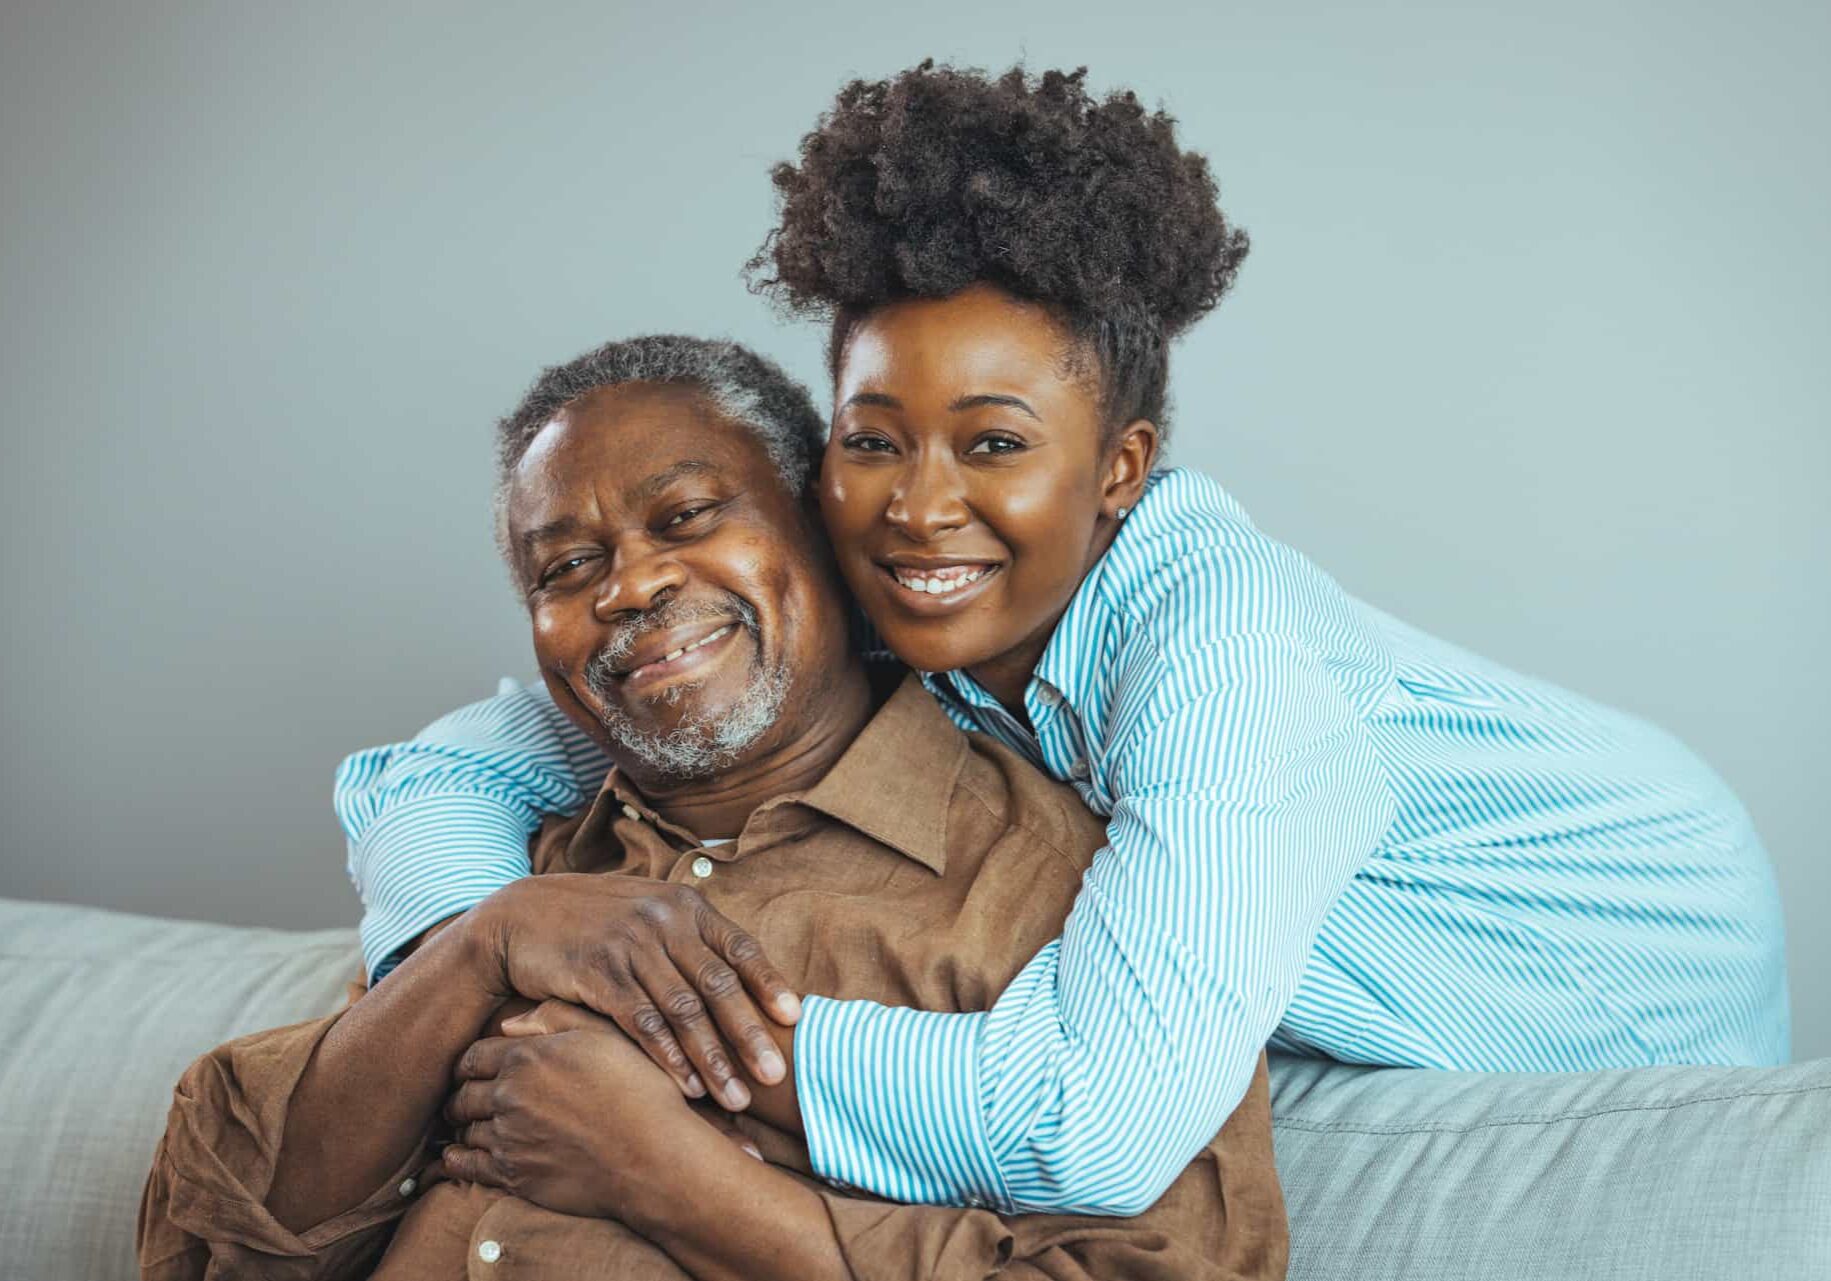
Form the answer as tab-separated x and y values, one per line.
928	501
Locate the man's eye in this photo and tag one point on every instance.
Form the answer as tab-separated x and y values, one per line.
996	445
682	517
564	567
867	443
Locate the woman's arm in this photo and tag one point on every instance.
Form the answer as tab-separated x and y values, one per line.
1246	794
437	824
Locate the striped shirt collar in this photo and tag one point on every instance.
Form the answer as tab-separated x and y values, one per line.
1075	668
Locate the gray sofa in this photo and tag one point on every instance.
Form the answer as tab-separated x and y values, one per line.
1665	1174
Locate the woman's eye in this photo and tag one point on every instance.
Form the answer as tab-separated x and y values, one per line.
866	443
996	445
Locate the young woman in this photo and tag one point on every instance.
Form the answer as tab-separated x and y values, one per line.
1325	827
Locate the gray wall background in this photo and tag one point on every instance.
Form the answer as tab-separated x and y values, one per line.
1530	350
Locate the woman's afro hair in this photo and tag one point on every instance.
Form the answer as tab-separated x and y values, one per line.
918	186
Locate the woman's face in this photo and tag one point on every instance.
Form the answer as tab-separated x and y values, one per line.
965	485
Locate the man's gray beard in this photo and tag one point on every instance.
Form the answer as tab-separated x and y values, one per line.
701	745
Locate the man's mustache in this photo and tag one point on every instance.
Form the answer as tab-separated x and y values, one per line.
609	661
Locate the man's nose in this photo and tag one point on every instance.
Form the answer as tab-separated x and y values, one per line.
929	499
638	580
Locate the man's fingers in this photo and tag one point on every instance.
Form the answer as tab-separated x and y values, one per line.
735	1013
478	1134
553	1016
472	1101
674	1000
484	1058
471	1165
763	980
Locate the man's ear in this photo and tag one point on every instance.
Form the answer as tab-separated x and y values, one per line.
1129	460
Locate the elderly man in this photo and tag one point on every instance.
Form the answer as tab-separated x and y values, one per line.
686	615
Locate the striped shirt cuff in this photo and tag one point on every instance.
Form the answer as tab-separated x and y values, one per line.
890	1102
430	859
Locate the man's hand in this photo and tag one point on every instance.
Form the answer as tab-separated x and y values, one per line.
567	1113
663	964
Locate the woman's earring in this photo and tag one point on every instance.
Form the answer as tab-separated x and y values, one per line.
1120	514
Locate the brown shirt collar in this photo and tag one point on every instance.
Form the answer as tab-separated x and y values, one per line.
893	784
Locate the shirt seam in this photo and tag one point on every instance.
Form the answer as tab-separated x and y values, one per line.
1026	829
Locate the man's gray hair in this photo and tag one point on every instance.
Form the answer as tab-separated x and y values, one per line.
741	385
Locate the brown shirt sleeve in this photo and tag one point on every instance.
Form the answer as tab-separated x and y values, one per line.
203	1212
1222	1220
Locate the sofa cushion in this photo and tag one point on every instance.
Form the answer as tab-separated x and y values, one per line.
1668	1173
100	1012
1665	1174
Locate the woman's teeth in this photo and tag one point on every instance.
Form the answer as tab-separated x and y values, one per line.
704	640
941	582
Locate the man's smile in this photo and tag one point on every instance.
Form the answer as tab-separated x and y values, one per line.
679	651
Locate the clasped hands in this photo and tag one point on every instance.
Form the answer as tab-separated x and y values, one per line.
582	1104
564	1110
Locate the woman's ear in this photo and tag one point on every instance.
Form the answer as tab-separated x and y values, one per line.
1128	463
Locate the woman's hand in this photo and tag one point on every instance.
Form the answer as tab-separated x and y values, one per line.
564	1111
664	965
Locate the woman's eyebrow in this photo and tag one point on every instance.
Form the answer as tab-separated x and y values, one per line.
987	398
876	399
881	401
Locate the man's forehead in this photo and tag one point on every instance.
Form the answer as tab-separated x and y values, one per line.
626	446
631	434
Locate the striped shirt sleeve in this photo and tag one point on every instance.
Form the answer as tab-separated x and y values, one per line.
1247	794
437	824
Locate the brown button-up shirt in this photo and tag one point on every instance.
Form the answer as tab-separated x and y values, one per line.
924	870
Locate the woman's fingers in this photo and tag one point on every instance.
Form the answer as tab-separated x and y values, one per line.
622	997
733	1011
675	999
759	974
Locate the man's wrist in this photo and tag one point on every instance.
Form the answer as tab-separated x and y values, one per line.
721	1214
666	1187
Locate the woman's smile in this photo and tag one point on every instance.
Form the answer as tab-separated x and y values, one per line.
937	587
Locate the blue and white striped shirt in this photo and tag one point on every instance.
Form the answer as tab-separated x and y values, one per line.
1328	830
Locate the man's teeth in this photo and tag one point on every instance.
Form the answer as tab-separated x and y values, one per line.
688	649
940	582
